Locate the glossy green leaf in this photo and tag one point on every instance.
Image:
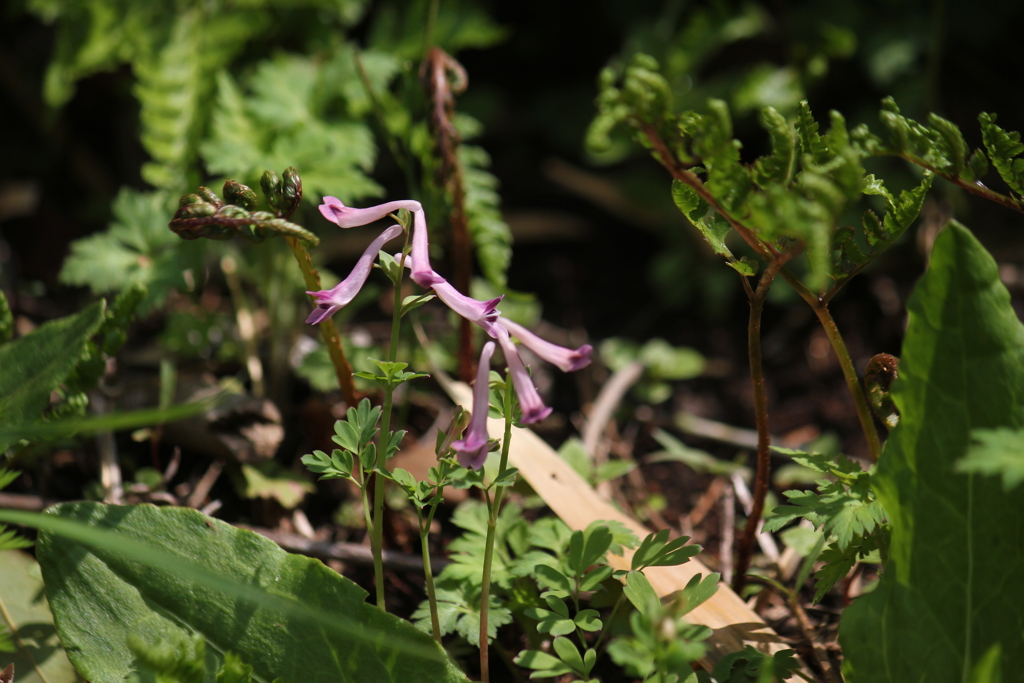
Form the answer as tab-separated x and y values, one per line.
38	656
32	366
172	573
951	589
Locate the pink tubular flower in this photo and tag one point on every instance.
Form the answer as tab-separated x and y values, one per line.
421	273
533	407
472	449
480	312
567	360
347	217
330	301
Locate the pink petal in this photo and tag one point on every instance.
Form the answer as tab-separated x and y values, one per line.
566	359
472	449
330	301
348	217
533	407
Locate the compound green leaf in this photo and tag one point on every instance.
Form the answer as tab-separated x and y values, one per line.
172	573
951	589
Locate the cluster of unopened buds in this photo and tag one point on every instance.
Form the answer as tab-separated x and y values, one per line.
473	448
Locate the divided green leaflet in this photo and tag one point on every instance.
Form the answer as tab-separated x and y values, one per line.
32	366
168	574
951	594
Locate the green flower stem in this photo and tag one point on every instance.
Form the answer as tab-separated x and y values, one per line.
492	523
377	534
428	571
366	498
327	329
767	252
608	621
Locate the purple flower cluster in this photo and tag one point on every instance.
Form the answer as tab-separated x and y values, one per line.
472	449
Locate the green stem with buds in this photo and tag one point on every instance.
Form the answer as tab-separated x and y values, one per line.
492	524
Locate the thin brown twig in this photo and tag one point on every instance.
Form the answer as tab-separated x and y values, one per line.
764	438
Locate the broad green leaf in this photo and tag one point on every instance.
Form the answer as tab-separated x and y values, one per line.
38	656
172	573
951	588
32	366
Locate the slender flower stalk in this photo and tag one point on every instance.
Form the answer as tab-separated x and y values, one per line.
472	449
492	524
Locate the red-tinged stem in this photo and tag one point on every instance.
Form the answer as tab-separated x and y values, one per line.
768	253
764	461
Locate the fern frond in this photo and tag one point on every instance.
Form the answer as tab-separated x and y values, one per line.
1003	147
811	142
491	236
777	167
